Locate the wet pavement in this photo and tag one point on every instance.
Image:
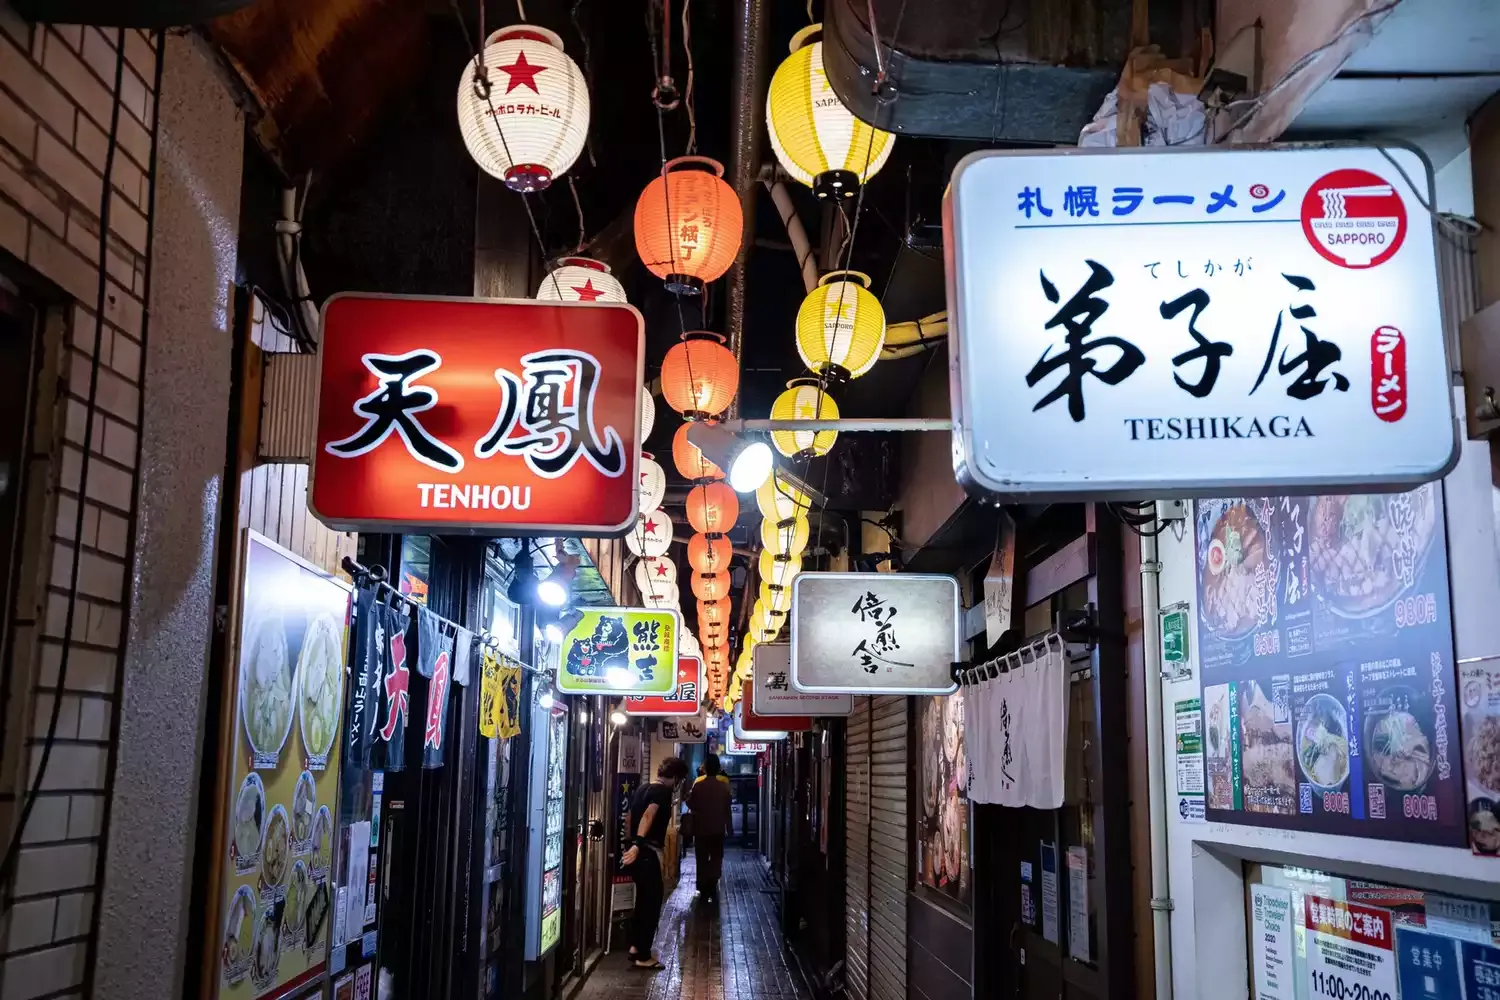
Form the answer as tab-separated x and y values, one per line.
728	951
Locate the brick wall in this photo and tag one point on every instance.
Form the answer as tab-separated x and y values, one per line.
56	100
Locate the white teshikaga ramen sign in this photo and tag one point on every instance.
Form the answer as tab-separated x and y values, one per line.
1145	322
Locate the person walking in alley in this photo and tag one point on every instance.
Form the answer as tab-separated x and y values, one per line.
709	801
650	811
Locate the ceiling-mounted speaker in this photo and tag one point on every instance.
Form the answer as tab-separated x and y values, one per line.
126	13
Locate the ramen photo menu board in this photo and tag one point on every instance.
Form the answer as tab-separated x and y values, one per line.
1326	646
275	862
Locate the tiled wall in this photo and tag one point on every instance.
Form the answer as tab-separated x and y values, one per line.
56	100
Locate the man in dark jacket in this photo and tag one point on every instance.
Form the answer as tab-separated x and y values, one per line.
710	802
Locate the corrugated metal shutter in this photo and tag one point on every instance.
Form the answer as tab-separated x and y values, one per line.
875	911
857	851
888	847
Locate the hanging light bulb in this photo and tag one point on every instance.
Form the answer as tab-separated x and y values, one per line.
654	572
653	483
841	326
712	508
652	534
648	412
816	138
536	96
709	555
581	279
784	538
699	375
688	224
748	462
710	586
691	463
804	399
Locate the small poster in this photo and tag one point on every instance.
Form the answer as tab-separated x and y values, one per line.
1427	966
630	754
1479	703
1481	971
362	978
1049	891
1078	903
489	693
1000	583
1028	897
1190	774
1174	641
1350	950
1272	921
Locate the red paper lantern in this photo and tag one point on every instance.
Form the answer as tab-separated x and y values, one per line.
709	555
690	460
711	586
712	508
688	224
699	375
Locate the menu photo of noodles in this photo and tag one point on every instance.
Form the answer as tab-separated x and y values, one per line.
1479	698
1328	667
291	628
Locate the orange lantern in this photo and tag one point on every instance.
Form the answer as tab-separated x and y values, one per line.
690	461
708	555
712	508
710	586
699	375
711	613
688	224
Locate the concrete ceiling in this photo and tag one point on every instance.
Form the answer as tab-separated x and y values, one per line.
1430	65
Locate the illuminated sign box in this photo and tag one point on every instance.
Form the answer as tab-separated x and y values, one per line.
1137	323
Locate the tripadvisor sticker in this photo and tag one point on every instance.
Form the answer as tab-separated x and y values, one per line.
1354	218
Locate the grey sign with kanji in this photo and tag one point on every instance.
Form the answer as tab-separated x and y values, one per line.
874	633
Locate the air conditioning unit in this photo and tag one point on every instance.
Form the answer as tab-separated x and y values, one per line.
126	13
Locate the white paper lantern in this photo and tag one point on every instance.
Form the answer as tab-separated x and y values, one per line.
653	573
652	534
648	412
653	484
580	279
538	101
689	644
662	595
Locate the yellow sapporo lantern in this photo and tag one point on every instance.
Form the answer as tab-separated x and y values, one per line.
777	499
784	538
804	399
841	326
779	571
778	600
816	138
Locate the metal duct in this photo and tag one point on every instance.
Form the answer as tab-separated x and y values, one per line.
752	22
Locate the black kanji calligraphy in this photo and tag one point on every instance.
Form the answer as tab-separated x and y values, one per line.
1077	316
554	415
1316	357
1212	352
393	408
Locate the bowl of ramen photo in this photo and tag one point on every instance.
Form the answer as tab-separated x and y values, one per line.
266	684
1323	742
1237	571
1397	746
1365	551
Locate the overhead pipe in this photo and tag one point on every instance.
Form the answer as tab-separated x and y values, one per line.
752	22
795	232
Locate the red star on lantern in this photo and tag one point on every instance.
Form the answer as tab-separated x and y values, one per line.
588	293
661	569
522	73
650	526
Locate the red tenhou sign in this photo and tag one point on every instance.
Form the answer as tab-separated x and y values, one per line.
449	414
753	723
686	700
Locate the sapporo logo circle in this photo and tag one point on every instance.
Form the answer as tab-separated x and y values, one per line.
1354	218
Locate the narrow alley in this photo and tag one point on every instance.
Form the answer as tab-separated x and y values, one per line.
731	950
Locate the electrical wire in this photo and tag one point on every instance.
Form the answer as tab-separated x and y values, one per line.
59	689
583	233
687	97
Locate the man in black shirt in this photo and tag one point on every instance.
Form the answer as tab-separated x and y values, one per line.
650	812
